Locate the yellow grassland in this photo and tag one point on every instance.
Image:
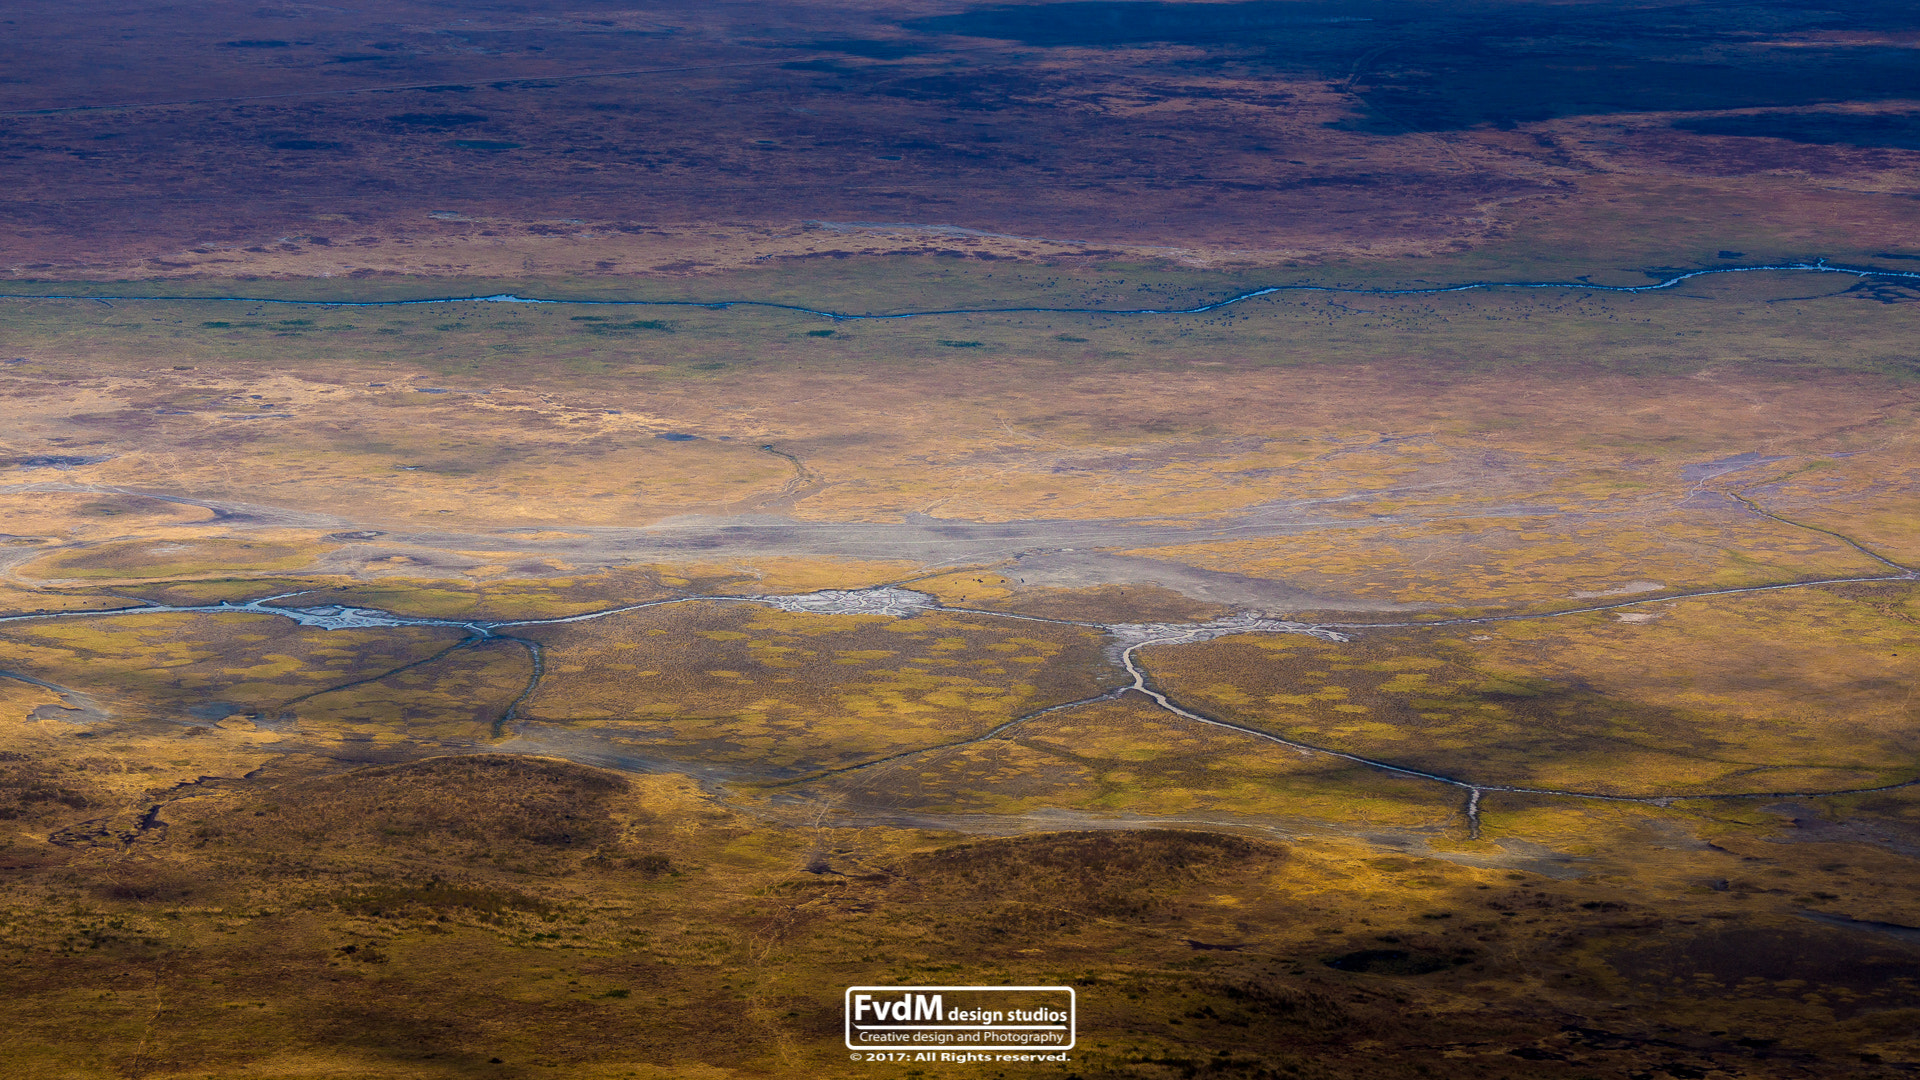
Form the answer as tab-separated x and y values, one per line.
1800	690
740	684
233	841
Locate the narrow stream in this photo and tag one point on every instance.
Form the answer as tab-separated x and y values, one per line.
894	601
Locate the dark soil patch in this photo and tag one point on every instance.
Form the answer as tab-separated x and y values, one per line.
488	805
1118	874
1392	962
1431	67
1855	970
1899	131
437	120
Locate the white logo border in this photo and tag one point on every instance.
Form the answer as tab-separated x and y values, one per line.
1073	1017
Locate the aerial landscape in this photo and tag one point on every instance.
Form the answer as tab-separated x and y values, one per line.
1362	538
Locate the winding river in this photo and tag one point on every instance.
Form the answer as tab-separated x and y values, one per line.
1818	266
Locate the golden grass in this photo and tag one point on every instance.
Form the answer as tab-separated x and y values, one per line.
1791	691
1128	757
778	692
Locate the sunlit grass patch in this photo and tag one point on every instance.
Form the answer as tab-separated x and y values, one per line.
1800	690
744	684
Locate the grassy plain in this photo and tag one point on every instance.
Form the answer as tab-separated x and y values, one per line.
516	418
586	848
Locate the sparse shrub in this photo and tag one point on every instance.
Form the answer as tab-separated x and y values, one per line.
438	898
514	810
1041	884
146	885
651	865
